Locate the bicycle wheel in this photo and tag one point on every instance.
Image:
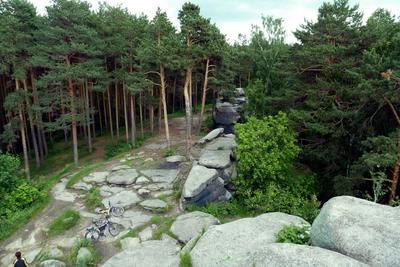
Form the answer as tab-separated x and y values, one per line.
92	234
117	211
113	229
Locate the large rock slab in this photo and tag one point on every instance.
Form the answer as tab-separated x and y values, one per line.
96	177
361	229
82	186
167	176
129	243
222	143
191	224
122	199
153	253
154	204
211	135
225	113
132	219
123	177
175	159
199	177
224	245
217	159
287	255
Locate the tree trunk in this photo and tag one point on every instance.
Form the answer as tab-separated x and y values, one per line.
125	114
105	111
32	126
110	114
203	98
89	136
164	103
92	114
73	116
188	109
141	114
151	115
116	110
39	120
173	95
23	136
100	117
133	120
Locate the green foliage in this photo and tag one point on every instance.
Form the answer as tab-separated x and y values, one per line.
65	221
22	197
93	199
186	260
294	234
266	151
224	210
10	174
170	152
89	261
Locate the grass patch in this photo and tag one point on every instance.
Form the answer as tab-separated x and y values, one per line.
64	222
186	260
132	233
170	152
225	211
85	171
93	199
163	228
91	260
114	149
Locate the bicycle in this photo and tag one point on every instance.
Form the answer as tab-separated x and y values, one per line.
115	211
95	232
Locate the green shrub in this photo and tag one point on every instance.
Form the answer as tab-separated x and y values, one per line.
294	234
186	260
10	174
93	199
266	151
114	149
64	222
22	197
223	210
170	152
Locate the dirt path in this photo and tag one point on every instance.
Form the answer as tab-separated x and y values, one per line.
150	156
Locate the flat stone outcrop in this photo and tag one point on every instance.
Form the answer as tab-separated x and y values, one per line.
217	159
152	253
211	135
189	225
122	199
198	179
226	244
360	229
123	177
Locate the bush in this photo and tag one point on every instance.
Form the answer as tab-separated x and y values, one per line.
64	222
22	197
93	199
294	234
114	149
266	151
10	174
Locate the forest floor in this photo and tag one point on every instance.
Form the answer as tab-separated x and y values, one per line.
148	157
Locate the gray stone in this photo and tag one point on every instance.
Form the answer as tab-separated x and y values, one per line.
60	193
224	245
360	229
156	146
122	199
154	204
144	192
31	255
162	175
53	252
123	177
222	143
142	180
82	186
136	218
189	225
175	159
52	263
153	253
163	193
130	243
211	135
106	190
120	167
8	260
96	177
146	234
83	256
217	159
199	177
225	113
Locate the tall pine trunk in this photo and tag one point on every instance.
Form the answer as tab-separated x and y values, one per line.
125	114
73	117
110	113
87	107
141	114
188	109
23	136
164	103
204	94
32	125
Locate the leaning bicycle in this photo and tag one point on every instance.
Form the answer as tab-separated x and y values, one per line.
112	210
97	230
